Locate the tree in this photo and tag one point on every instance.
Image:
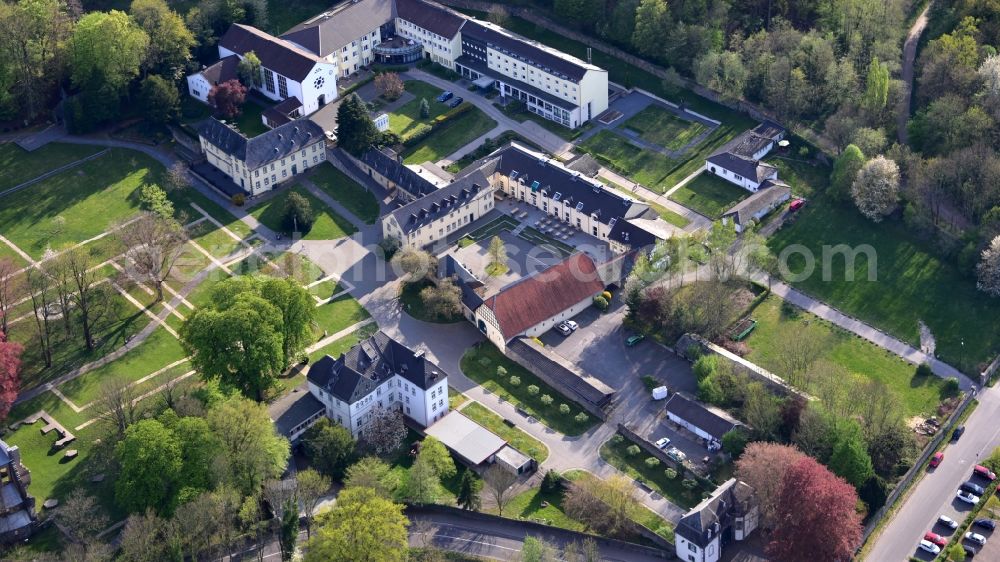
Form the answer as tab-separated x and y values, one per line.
498	14
385	431
81	516
845	169
105	52
118	403
762	411
536	550
249	70
141	538
416	264
160	100
762	466
170	41
442	300
876	188
152	245
31	46
288	530
604	506
150	461
723	72
389	85
91	297
816	516
869	140
438	456
10	373
330	447
199	452
498	482
371	472
311	486
850	459
362	527
40	292
498	257
11	290
249	442
652	22
177	178
425	109
735	441
153	199
356	131
421	485
298	215
988	270
989	75
876	86
228	98
469	488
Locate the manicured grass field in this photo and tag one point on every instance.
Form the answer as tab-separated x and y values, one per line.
338	314
480	364
407	117
528	506
666	214
249	120
645	167
451	136
709	195
409	296
805	179
328	224
659	126
347	192
778	321
46	464
456	398
635	466
90	198
515	437
340	346
213	240
9	253
911	283
18	165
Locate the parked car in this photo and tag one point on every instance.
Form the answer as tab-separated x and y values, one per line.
957	434
330	136
456	102
967	497
445	96
662	442
972	487
985	524
935	538
948	522
634	340
975	537
936	459
969	551
986	473
928	546
796	204
572	325
564	329
676	454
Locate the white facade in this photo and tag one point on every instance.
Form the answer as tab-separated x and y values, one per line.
351	57
689	426
441	227
690	552
440	49
487	323
199	87
746	183
552	204
423	407
264	178
316	90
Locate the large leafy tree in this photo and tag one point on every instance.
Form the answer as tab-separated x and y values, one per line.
150	461
106	52
876	188
330	446
228	98
32	47
815	516
252	449
10	373
988	270
356	131
299	215
362	527
850	458
199	452
170	41
763	467
845	169
652	23
374	473
160	99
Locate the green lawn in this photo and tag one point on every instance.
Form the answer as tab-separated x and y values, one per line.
678	220
249	121
407	117
635	467
18	165
214	240
282	16
645	167
456	398
90	198
347	192
338	314
340	346
451	136
409	296
911	282
480	364
328	224
778	321
661	127
515	437
9	253
805	179
709	195
528	506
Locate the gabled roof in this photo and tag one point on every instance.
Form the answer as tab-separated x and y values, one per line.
533	52
266	147
294	408
770	194
541	296
750	169
715	514
699	415
631	235
222	71
338	26
387	164
274	53
441	202
357	373
431	17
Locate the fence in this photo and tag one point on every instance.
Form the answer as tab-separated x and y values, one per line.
986	377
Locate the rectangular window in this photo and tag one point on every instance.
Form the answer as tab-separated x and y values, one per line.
282	86
269	80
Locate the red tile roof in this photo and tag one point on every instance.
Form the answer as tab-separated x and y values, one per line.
545	294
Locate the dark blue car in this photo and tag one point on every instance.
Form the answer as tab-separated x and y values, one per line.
445	96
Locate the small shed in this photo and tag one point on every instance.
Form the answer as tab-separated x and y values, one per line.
698	418
472	443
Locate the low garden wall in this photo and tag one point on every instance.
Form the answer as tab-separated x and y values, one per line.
559	374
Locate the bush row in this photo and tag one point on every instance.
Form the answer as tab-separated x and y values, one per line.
423	130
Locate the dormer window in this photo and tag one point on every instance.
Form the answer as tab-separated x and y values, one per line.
557	196
579	206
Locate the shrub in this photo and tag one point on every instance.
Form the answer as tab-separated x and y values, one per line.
632	450
238	199
601	303
951	385
515	380
425	109
670	473
546	399
563	408
923	370
617	439
581	417
652	462
501	372
532	389
704	366
607	295
690	483
552	482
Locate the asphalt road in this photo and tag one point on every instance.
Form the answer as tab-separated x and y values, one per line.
934	495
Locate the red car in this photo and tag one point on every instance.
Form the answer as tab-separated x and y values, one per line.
796	204
986	473
935	538
936	459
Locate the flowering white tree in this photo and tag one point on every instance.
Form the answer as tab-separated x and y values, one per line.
989	269
876	188
989	73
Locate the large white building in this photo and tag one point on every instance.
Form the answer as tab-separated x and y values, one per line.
729	514
379	374
739	161
346	34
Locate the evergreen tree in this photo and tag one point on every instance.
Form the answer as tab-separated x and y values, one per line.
425	109
468	491
356	131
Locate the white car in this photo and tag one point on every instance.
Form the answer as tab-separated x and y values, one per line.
968	497
975	537
563	329
676	454
662	442
948	522
572	325
930	547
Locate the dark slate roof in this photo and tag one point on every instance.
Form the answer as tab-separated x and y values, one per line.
484	69
770	129
357	373
279	114
386	163
553	177
751	169
440	202
631	235
294	408
329	31
529	51
698	415
431	17
716	513
265	147
771	194
222	71
465	281
278	55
